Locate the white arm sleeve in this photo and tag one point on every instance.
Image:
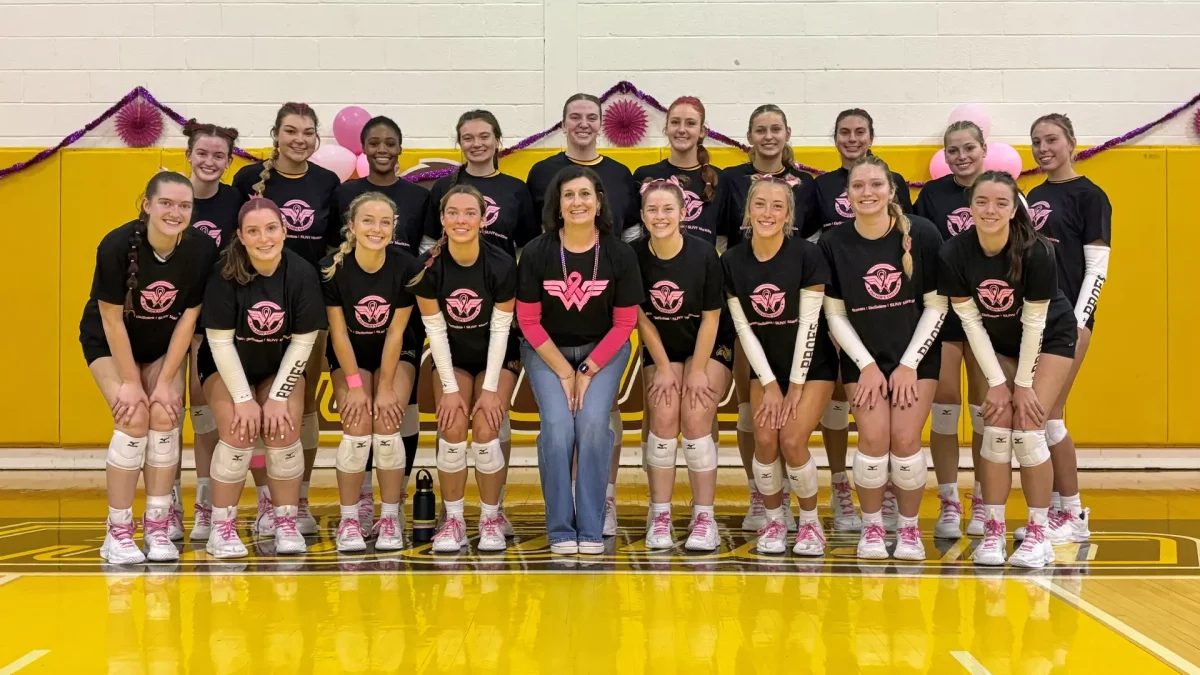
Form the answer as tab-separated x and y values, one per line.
844	333
426	244
981	343
1033	322
439	348
291	369
229	364
497	347
806	334
750	344
928	327
1095	272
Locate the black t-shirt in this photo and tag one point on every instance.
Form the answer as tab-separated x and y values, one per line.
769	293
830	203
412	207
622	192
265	313
305	203
508	218
700	218
217	215
679	290
578	310
164	289
967	272
1071	214
946	204
740	177
882	303
369	300
466	296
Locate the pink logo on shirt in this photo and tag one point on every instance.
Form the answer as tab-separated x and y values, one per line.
842	205
210	229
266	318
768	301
959	221
574	292
995	295
491	211
297	215
1040	213
372	311
463	305
883	281
666	297
158	297
693	206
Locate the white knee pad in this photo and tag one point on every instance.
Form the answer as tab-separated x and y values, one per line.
451	457
803	479
389	451
615	425
310	431
488	458
162	448
700	454
286	463
1056	432
352	453
870	472
997	445
411	424
230	464
1030	447
126	452
505	433
836	416
203	421
976	418
745	423
910	473
945	419
661	452
767	478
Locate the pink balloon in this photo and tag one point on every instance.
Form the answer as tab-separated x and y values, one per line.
363	166
974	112
938	166
1002	157
348	126
335	158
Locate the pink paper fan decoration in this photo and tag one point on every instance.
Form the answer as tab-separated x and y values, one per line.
625	123
139	124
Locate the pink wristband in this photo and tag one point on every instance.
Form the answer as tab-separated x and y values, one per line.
354	381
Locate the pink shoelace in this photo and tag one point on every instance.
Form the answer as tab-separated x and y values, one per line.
874	533
993	528
662	523
287	525
123	533
348	525
452	529
1058	518
756	501
976	505
950	508
1034	534
366	506
302	508
492	526
176	516
810	532
203	515
844	496
774	529
157	529
226	529
386	525
909	536
265	506
701	524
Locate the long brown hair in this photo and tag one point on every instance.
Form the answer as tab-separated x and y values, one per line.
139	232
1022	236
707	172
235	261
789	157
471	116
195	131
349	241
301	109
894	210
460	189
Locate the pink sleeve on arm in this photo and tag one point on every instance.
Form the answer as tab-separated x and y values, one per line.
624	321
529	318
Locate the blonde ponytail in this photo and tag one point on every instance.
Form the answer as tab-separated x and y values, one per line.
349	241
260	187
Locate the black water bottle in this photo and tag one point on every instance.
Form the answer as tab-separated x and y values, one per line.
424	509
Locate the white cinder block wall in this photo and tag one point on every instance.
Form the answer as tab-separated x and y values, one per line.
1110	65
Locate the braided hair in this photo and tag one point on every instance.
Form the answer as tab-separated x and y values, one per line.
139	232
707	172
895	212
348	239
470	116
433	253
301	109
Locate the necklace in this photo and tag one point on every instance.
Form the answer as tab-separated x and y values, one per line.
562	252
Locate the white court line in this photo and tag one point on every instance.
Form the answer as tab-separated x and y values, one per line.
8	577
23	661
1129	632
972	664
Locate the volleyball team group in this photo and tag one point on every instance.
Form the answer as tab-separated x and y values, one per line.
815	297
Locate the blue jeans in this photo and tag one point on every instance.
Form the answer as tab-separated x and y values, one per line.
579	517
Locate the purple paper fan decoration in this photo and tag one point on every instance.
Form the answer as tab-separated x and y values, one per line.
139	124
625	123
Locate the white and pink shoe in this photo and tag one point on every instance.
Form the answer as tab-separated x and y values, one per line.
119	547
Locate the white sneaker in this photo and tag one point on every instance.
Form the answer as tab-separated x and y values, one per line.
890	510
288	538
975	528
565	548
155	533
705	536
949	524
264	522
1069	528
756	515
872	544
1035	550
451	537
366	511
841	503
909	545
810	540
202	522
175	524
991	551
591	547
491	534
119	547
305	523
789	517
658	534
773	537
610	517
389	533
350	536
223	541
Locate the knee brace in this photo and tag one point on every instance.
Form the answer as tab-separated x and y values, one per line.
162	449
389	451
661	452
410	425
870	472
836	416
700	454
126	452
766	478
803	479
910	473
230	464
505	434
488	458
976	418
451	457
310	431
745	423
945	419
286	463
1030	448
997	445
352	453
203	421
615	425
1056	432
